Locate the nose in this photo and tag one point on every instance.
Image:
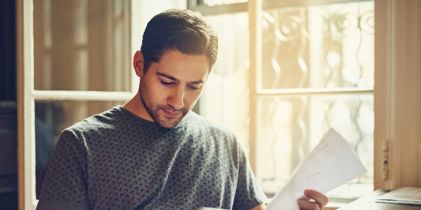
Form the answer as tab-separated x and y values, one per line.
176	99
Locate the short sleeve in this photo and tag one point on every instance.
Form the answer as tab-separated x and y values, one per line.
248	194
64	185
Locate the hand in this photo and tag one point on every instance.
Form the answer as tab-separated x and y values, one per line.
312	200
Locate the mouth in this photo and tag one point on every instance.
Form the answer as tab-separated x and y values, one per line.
171	113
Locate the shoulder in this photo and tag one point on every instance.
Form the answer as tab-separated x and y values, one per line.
95	125
210	130
197	121
105	120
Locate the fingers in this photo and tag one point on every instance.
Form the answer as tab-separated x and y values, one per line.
306	204
318	197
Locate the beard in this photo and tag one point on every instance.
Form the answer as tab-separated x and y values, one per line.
159	112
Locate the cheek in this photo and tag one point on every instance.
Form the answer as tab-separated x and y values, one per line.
191	98
158	90
161	96
156	94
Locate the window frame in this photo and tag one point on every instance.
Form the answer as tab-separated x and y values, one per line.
397	145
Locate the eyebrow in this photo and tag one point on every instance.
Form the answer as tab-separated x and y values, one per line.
175	79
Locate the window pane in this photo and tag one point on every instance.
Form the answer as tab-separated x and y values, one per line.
225	98
319	46
52	117
290	127
82	45
322	46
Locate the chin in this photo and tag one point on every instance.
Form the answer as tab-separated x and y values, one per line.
169	123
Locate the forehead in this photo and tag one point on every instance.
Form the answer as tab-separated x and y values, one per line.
184	67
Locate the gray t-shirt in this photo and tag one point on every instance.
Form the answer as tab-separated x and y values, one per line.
116	160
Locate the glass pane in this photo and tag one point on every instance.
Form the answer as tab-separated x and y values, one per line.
225	98
219	2
319	46
82	45
52	117
290	127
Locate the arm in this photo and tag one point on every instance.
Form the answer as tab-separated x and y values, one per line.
248	194
64	184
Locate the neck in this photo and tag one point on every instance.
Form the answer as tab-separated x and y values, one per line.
136	107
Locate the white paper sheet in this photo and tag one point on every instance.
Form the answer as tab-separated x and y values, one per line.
329	165
404	195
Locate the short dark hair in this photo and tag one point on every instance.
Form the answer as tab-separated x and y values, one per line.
182	30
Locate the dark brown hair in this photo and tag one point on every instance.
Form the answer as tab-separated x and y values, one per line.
181	30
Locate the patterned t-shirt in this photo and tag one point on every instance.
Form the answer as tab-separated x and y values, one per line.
116	160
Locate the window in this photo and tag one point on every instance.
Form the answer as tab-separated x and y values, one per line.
75	61
287	72
82	57
235	78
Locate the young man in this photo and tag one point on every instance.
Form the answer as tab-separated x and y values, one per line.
154	152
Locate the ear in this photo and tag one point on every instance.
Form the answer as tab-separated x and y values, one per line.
138	63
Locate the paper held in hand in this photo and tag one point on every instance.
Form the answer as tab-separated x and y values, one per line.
330	164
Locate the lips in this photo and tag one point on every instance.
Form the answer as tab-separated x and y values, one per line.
171	113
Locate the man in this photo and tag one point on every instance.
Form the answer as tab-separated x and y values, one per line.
153	152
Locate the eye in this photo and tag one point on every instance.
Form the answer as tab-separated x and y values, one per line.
194	86
166	82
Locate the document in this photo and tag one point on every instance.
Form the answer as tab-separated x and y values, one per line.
404	195
330	164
